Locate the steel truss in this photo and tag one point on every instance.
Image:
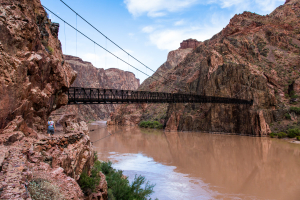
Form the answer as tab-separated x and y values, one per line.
111	96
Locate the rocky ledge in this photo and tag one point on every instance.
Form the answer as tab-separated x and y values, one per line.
33	79
57	161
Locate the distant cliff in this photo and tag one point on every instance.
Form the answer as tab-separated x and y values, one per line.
132	114
253	57
91	77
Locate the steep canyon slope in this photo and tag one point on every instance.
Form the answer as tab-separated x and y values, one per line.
253	57
89	76
33	79
33	74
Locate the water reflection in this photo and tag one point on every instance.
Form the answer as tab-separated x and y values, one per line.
192	165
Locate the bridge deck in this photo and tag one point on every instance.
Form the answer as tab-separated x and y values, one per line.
112	96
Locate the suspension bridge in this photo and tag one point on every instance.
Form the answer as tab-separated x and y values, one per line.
113	96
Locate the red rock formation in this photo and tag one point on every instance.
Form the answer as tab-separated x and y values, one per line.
33	78
33	74
134	113
190	43
254	57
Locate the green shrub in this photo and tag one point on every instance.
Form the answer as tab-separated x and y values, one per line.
95	156
293	95
293	132
298	138
49	49
151	124
120	188
272	135
88	183
291	135
287	116
281	135
295	110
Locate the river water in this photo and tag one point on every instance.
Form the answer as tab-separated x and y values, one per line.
193	165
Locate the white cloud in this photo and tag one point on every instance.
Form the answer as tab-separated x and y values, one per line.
229	3
170	39
268	5
106	60
148	29
179	23
156	8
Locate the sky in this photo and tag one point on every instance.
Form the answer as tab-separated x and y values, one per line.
146	29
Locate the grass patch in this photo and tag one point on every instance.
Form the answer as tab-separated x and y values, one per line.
49	49
287	116
41	189
151	124
120	188
278	135
295	110
281	135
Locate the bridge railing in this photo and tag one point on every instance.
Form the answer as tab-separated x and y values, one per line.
101	96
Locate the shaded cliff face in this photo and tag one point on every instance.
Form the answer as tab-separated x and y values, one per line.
254	57
33	79
132	114
33	75
89	76
174	58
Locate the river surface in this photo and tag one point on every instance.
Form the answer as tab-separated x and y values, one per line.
193	165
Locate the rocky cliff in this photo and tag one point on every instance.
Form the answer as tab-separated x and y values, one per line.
33	78
91	77
132	114
33	74
253	57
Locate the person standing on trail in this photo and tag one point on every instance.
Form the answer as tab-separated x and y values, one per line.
51	127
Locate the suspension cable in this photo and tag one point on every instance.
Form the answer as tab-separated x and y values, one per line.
106	49
114	42
76	35
105	35
65	38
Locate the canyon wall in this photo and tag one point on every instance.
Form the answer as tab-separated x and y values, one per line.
132	114
33	74
89	76
255	58
33	79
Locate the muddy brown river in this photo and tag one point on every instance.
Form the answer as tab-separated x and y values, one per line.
193	165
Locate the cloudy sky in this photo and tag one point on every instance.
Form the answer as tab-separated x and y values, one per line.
147	29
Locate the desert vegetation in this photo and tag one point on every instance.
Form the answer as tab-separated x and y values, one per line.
151	124
118	184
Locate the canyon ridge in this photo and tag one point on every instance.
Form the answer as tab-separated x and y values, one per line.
254	57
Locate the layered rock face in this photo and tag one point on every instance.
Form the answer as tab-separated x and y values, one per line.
132	114
57	162
33	78
33	74
190	43
92	77
254	57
